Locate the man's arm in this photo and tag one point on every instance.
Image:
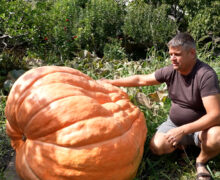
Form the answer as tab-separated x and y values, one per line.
210	119
134	81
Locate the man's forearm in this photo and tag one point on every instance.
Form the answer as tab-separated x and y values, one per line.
205	122
134	81
210	119
131	81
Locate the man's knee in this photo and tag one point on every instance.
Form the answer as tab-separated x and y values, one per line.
211	137
155	147
159	145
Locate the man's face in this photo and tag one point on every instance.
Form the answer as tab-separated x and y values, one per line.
182	59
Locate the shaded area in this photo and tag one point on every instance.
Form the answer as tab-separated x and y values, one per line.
10	172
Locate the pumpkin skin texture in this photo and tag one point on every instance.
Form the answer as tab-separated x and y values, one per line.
66	126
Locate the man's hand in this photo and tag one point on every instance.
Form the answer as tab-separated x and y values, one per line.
174	136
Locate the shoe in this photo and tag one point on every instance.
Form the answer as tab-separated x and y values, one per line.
203	175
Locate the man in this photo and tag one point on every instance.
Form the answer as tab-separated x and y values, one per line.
194	116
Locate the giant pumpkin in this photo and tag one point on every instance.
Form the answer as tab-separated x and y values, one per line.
65	125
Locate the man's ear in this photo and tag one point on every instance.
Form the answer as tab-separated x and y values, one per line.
193	51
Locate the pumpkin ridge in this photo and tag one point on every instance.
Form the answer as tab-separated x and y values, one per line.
30	169
37	78
22	92
62	127
30	89
92	172
86	148
85	91
54	100
95	144
52	69
50	73
70	167
121	109
11	132
82	91
73	95
88	87
27	165
31	86
73	82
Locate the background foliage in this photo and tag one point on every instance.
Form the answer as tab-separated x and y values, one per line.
111	39
63	28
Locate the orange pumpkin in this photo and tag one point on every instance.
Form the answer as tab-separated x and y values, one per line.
65	125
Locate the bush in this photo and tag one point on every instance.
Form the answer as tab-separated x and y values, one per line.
76	25
63	37
41	26
84	25
147	25
114	50
15	23
26	26
102	20
205	28
62	28
206	22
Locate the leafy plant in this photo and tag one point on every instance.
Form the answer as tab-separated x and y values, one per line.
148	25
114	50
102	20
206	22
64	36
205	28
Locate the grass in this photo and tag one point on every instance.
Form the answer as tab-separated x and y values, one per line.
178	165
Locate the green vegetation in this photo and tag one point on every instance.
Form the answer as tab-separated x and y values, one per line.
62	28
106	38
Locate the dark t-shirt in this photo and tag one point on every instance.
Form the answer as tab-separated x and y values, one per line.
186	92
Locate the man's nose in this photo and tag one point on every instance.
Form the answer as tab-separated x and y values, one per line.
172	57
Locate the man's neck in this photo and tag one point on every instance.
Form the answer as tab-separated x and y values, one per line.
189	69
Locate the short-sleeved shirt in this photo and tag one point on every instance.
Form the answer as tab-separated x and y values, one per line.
186	92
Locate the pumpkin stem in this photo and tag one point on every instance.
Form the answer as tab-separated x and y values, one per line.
24	138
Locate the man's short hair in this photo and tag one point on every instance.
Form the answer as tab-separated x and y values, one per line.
182	39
